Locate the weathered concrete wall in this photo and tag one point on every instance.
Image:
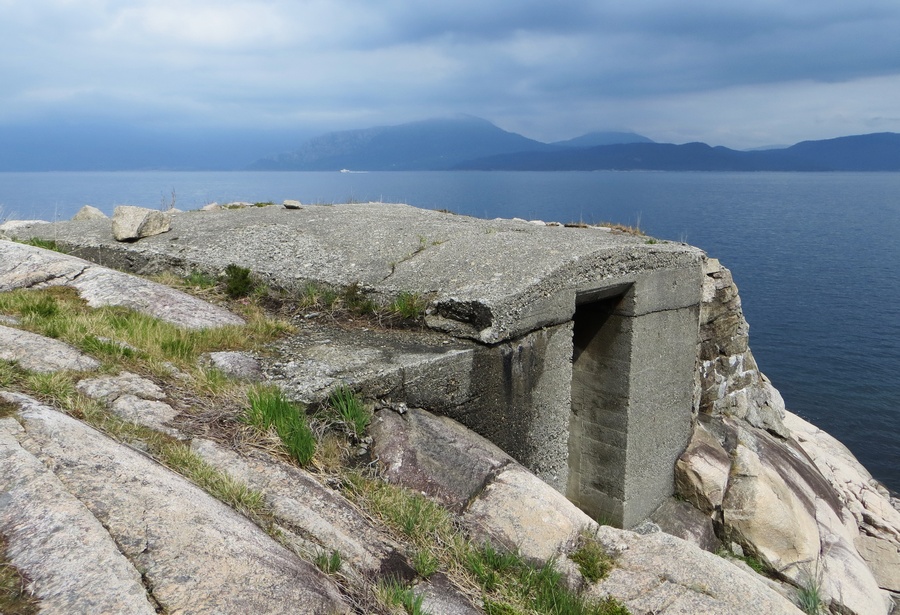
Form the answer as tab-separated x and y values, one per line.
632	392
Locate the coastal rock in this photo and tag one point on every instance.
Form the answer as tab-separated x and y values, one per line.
24	266
89	212
211	207
661	574
780	508
130	223
72	563
701	473
421	451
730	381
42	354
686	522
324	519
867	500
14	225
110	388
196	554
517	510
291	204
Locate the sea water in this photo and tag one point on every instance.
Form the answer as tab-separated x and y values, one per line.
816	255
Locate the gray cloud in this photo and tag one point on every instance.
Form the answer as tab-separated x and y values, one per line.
737	73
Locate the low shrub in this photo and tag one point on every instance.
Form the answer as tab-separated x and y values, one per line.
237	281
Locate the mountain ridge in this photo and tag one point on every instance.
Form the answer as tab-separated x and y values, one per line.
471	143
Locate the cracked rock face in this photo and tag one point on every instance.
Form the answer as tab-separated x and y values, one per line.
730	381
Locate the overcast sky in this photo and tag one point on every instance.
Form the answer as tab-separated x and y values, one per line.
742	74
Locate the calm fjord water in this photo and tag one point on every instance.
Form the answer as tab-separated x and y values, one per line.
816	255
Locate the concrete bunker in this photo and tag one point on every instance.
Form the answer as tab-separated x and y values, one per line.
574	350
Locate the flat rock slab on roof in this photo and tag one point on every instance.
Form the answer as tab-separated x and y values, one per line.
488	279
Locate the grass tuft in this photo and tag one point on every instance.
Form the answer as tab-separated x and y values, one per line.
393	593
270	409
218	484
328	563
47	244
809	596
198	279
351	410
408	305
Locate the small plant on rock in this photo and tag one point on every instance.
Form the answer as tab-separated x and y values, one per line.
237	281
328	563
592	559
409	305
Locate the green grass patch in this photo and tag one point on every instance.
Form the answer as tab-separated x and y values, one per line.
47	244
355	300
198	279
106	349
425	563
329	563
513	585
393	593
591	558
351	410
112	331
410	306
10	373
270	409
15	599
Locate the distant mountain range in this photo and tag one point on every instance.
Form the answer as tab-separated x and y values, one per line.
470	143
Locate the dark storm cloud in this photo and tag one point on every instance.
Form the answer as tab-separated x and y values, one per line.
697	69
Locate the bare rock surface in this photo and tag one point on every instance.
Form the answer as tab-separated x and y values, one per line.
89	212
42	354
731	383
16	225
196	554
680	519
236	364
701	473
110	388
130	223
661	574
24	266
780	508
656	573
520	511
72	562
867	500
422	451
324	519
